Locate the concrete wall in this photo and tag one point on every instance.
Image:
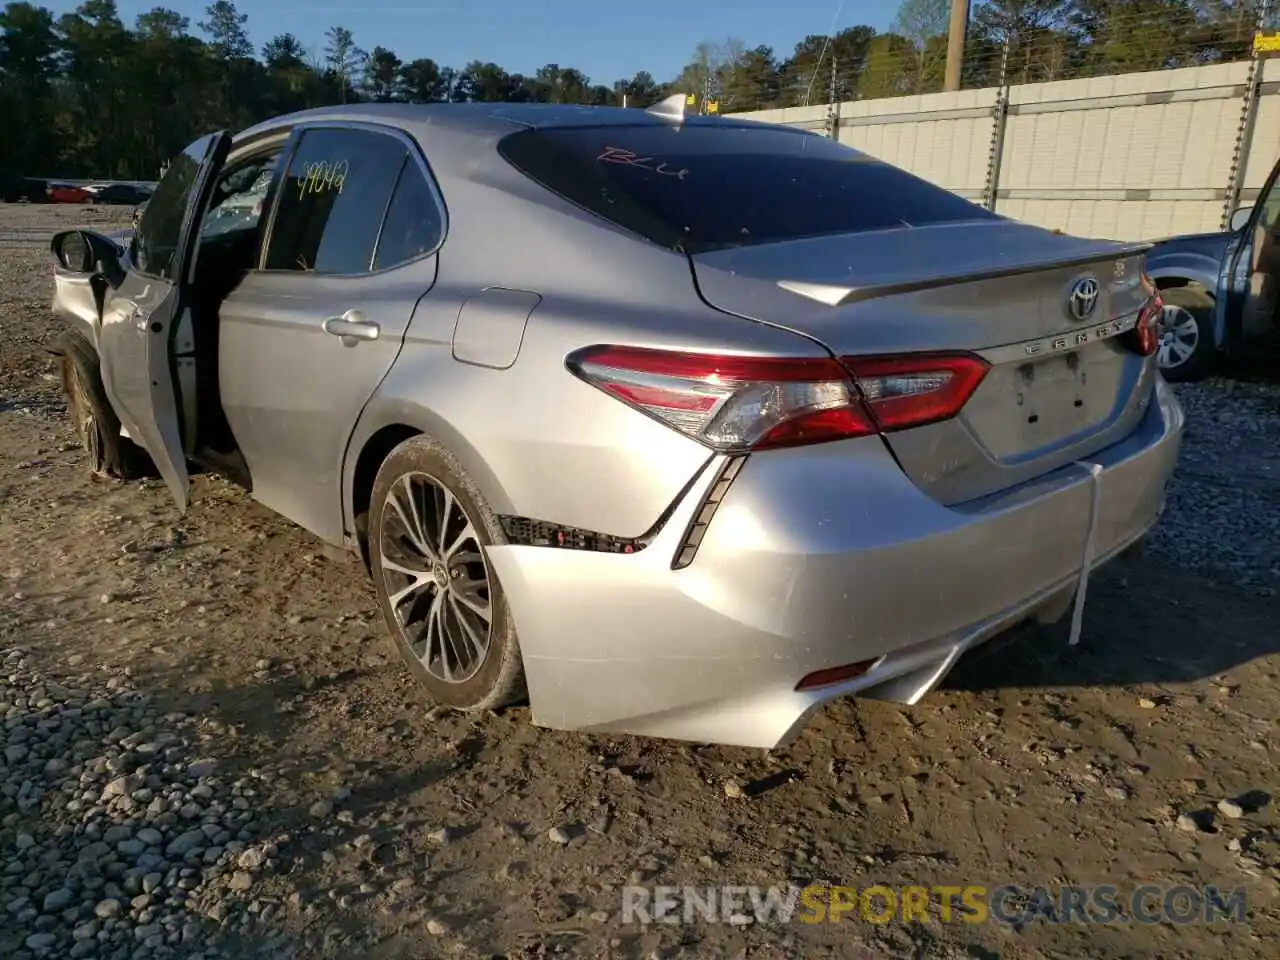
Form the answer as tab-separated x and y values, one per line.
1129	157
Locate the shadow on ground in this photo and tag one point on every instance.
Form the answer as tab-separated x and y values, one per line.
1204	631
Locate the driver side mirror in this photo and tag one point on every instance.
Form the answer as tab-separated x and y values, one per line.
72	251
83	251
1241	217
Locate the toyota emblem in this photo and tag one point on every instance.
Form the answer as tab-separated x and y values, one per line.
1083	298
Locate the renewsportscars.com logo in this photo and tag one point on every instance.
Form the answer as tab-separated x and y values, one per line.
1007	904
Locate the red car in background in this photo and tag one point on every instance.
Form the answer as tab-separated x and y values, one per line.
65	194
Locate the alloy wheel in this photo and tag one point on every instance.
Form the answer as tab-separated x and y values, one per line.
1179	336
83	419
436	577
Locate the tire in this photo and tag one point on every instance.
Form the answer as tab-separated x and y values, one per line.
483	679
95	422
1187	322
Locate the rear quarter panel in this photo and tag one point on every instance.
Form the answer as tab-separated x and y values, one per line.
539	442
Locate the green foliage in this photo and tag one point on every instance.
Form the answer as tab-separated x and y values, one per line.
83	94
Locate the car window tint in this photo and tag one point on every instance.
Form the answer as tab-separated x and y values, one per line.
159	233
333	200
709	186
413	225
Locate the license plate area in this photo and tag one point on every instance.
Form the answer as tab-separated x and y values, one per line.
1051	397
1024	410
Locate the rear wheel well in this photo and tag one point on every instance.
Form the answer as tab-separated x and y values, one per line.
376	449
1172	283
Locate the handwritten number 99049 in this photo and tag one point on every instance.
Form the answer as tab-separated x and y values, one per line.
321	176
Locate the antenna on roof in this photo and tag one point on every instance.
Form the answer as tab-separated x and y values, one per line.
672	108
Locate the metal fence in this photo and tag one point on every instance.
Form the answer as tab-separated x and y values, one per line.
1127	157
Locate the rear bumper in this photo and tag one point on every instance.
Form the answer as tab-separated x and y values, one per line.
816	558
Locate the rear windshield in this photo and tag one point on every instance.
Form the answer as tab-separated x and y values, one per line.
699	187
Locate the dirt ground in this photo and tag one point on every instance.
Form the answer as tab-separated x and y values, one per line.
1039	765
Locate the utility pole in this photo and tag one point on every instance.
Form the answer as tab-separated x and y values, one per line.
1248	117
955	43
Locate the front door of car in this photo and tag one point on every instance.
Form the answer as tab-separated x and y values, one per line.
1261	262
306	339
141	337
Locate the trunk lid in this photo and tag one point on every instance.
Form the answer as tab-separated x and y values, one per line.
1060	385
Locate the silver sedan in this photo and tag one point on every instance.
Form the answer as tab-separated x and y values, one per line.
676	426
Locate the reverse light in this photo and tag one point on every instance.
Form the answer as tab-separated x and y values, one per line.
916	389
733	403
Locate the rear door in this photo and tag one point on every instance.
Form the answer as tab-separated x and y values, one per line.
306	339
139	340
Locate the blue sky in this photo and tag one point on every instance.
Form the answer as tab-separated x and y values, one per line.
604	40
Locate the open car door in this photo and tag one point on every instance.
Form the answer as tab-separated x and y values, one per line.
1262	294
142	318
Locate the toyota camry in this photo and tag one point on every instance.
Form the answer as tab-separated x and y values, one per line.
676	426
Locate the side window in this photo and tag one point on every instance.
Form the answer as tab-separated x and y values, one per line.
240	197
332	201
413	225
159	232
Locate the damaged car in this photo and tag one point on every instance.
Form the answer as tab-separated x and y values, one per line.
669	425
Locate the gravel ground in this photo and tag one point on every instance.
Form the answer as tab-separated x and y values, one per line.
1224	501
210	750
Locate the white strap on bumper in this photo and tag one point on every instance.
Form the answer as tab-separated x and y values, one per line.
1086	563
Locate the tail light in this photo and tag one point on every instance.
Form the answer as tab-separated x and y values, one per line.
754	403
1146	331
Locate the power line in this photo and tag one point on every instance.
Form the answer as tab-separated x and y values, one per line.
823	52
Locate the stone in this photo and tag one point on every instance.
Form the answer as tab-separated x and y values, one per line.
59	899
241	881
1231	809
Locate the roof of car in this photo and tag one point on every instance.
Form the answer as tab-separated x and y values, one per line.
481	117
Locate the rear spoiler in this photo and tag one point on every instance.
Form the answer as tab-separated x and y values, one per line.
837	295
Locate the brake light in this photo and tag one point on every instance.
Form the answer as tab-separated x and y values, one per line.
1146	331
753	403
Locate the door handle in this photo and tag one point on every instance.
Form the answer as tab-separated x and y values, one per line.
352	327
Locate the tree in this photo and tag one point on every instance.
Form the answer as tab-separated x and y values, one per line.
640	91
1034	31
83	95
284	52
382	76
162	24
483	82
753	81
97	53
920	22
421	81
28	66
805	72
343	58
225	24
